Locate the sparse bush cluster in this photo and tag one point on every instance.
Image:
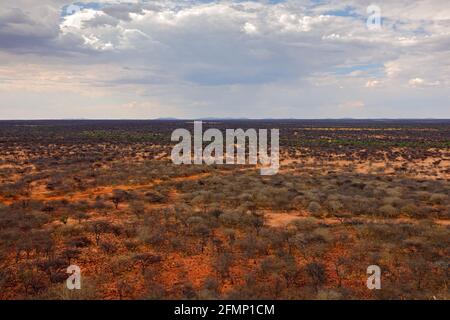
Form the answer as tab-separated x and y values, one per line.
104	196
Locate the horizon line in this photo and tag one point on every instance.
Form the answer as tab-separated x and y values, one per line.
212	119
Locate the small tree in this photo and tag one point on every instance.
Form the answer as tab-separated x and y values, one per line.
99	227
204	232
118	197
147	259
124	288
108	247
316	272
223	263
71	253
257	222
339	268
231	236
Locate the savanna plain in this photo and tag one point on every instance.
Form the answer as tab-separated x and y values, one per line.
105	196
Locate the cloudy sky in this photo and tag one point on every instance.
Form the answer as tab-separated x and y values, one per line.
197	58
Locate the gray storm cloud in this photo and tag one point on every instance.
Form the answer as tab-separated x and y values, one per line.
131	59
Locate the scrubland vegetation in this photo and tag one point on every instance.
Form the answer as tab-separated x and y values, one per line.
106	197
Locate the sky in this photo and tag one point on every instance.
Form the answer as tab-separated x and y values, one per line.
146	59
